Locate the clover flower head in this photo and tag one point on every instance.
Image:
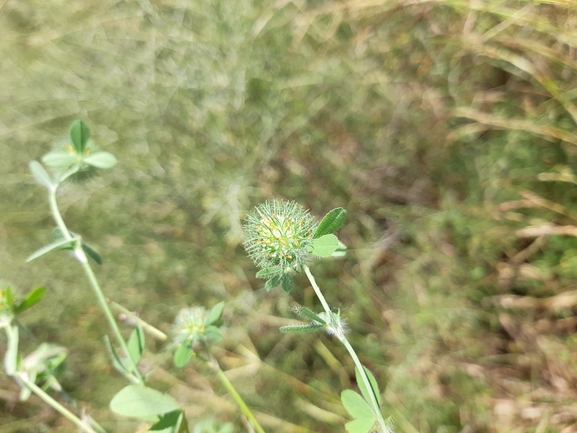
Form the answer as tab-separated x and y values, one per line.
190	325
278	234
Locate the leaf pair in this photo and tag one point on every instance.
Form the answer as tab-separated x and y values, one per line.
359	407
316	323
325	243
7	299
60	243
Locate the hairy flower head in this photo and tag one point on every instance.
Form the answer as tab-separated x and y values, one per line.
278	234
190	325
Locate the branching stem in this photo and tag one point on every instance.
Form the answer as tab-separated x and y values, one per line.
135	375
343	339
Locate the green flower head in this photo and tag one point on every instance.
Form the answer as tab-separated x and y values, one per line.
190	325
278	236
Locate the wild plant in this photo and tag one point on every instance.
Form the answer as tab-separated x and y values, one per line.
282	238
76	158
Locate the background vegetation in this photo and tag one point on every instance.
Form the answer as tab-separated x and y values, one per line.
444	127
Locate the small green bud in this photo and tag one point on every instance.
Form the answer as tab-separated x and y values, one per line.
190	325
278	237
196	324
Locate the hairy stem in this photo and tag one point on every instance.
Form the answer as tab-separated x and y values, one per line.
340	334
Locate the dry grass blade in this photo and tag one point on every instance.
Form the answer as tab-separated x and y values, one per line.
498	122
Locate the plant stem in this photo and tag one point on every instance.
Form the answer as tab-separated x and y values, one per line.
318	291
230	387
136	376
53	403
340	334
81	257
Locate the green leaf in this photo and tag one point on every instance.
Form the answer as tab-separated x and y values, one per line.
139	401
215	313
341	250
54	245
360	425
33	298
172	422
302	329
356	405
101	159
269	272
182	355
59	160
41	176
331	222
92	253
136	344
286	282
213	334
79	134
116	361
305	312
374	385
273	282
324	246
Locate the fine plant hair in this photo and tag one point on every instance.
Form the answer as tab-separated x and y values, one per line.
281	237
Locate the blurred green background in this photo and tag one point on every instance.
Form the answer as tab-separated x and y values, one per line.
444	127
